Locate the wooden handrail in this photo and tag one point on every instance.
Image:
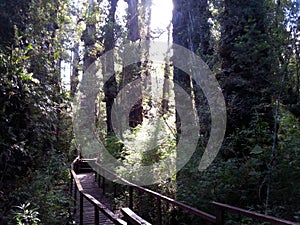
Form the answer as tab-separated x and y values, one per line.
98	205
109	214
132	218
221	208
74	162
136	220
77	182
203	215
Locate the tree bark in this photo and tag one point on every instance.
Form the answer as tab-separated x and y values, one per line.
110	87
89	38
75	70
133	20
133	72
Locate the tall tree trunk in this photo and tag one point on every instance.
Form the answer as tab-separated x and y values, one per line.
247	88
181	36
110	88
133	72
89	37
201	17
200	37
133	20
146	74
75	70
167	76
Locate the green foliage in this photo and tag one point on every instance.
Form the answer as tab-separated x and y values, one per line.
114	145
254	140
287	172
46	189
146	145
28	115
26	216
141	146
33	114
241	181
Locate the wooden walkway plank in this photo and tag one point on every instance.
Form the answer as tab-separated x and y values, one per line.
90	187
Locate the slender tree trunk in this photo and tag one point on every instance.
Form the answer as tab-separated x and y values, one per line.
75	70
146	66
133	20
297	70
167	77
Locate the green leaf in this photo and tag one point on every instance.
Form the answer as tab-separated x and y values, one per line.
257	150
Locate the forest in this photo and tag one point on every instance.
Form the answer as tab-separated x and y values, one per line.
247	109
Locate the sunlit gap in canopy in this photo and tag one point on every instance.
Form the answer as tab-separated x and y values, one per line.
161	27
161	17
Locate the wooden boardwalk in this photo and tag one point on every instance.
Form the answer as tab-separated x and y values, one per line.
89	185
90	199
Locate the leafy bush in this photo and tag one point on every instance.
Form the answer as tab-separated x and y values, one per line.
33	124
26	216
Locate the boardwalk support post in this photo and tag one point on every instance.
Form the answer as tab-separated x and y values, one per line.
96	216
115	190
99	180
71	185
159	211
81	208
219	216
130	197
103	185
75	197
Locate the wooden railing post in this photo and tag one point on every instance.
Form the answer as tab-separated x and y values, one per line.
115	190
103	185
81	208
96	215
75	199
159	219
71	185
219	216
130	197
99	177
71	194
99	180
